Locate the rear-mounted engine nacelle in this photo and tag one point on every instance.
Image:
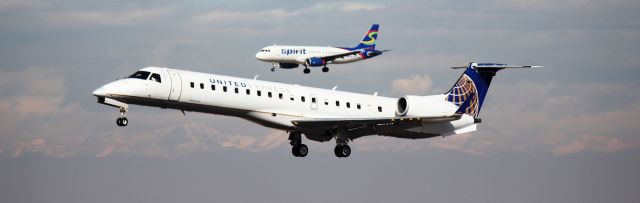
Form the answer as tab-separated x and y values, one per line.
423	106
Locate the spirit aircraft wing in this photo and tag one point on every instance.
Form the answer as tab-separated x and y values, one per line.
334	57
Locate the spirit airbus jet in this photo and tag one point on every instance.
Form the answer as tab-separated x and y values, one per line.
288	57
320	114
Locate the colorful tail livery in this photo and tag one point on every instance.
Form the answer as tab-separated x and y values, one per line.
369	40
471	88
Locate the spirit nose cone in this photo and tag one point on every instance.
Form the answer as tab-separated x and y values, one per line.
260	56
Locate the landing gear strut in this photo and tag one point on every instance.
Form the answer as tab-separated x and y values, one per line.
273	68
122	120
298	149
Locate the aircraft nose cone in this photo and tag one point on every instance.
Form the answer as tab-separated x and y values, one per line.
100	92
260	56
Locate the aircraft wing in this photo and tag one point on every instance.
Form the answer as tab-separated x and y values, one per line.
334	57
321	124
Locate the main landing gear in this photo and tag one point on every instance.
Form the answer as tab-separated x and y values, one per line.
307	70
298	149
342	149
122	120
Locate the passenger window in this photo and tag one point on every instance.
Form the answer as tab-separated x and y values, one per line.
259	93
348	105
201	86
358	106
192	85
337	103
155	77
291	98
313	100
280	95
213	87
302	98
379	109
236	90
269	94
248	92
224	88
326	102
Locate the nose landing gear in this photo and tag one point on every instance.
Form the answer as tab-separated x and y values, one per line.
122	120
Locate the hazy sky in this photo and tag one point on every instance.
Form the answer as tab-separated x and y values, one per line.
567	132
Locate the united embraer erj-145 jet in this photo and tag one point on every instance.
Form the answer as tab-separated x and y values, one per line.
320	114
288	57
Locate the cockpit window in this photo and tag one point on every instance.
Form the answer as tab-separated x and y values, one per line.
155	77
140	75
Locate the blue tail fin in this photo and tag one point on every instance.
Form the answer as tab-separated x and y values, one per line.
369	40
471	88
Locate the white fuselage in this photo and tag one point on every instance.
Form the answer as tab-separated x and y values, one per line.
271	104
298	54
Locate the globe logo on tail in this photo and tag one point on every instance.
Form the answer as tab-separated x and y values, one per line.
463	90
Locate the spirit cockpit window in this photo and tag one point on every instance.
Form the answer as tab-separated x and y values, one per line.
140	75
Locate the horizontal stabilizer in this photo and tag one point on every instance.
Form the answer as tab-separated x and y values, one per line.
494	65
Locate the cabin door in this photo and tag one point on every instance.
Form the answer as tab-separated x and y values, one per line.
176	85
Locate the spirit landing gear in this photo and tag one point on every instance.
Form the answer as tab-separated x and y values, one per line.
298	149
325	69
122	121
273	67
306	70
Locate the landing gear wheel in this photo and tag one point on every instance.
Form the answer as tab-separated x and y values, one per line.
342	150
273	69
300	150
122	121
325	69
307	71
